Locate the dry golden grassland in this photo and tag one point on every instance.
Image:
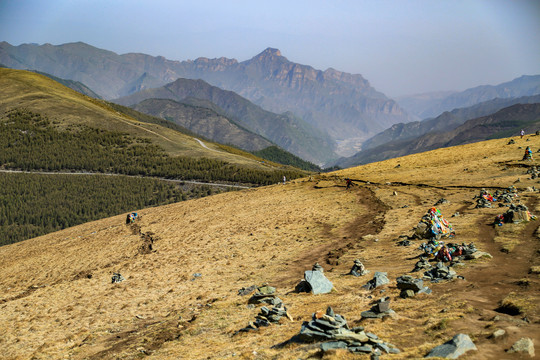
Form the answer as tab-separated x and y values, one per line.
57	300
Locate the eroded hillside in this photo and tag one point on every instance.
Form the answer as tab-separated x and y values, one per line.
180	298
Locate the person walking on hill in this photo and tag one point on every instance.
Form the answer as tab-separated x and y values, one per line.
522	132
349	183
284	179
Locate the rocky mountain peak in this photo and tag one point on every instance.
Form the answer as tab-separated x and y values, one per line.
268	54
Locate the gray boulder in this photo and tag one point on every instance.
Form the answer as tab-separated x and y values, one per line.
459	345
523	345
318	283
379	279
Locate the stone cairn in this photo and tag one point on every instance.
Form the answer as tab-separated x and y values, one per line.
358	269
315	281
333	331
264	294
379	310
440	272
410	286
379	279
422	265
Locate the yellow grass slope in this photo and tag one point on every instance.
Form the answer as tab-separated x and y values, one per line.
57	300
38	93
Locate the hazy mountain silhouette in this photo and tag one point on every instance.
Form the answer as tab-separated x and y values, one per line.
343	105
431	105
285	130
505	122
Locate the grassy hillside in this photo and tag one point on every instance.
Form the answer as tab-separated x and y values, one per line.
35	204
181	300
42	95
69	132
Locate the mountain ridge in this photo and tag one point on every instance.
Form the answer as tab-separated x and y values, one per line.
343	105
285	130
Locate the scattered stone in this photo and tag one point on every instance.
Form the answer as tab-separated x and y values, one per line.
456	214
317	267
394	193
440	272
266	317
422	264
523	345
315	282
116	278
195	276
404	242
478	255
265	295
512	141
380	310
379	279
497	334
358	269
397	166
246	291
441	201
459	345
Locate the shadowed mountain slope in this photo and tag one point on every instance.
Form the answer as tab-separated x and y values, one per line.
287	131
444	122
203	121
426	106
503	123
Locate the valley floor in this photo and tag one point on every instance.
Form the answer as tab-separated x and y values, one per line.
180	297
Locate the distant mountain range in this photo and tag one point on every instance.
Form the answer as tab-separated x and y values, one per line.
430	105
286	130
444	122
342	105
503	123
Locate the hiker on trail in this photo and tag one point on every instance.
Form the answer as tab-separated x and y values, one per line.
284	179
522	132
349	183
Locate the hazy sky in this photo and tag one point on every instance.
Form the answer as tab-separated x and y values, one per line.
401	46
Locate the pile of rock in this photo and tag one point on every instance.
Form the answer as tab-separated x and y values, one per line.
379	279
358	269
266	317
265	294
380	310
515	214
433	226
441	201
422	265
315	281
410	286
533	170
332	329
440	272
